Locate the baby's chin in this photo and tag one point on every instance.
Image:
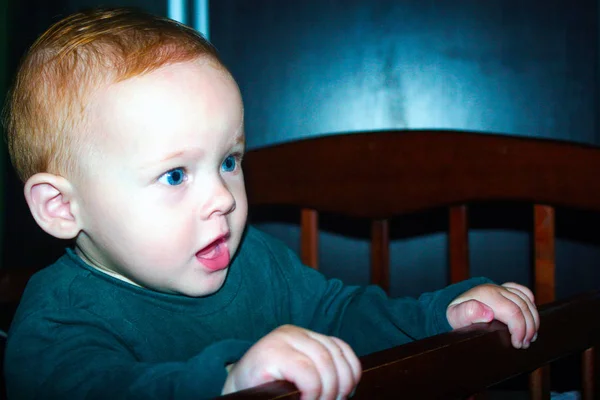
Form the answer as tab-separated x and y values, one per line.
202	290
199	293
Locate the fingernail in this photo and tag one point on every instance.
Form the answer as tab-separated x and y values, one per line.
526	344
534	337
352	393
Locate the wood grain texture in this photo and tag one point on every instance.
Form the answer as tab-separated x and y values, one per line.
539	383
544	249
458	244
465	361
382	174
309	238
544	286
380	254
589	374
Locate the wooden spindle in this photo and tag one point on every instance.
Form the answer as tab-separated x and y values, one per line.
539	384
545	265
458	244
380	254
588	374
544	284
309	237
458	251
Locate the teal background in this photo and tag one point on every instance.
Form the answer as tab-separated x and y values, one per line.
312	67
517	67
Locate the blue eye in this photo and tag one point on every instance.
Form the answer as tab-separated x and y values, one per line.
173	177
229	164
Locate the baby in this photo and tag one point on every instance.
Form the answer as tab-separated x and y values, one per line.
128	133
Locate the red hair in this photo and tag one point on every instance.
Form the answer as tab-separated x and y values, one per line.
45	111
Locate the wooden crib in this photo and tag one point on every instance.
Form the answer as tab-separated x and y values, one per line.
380	175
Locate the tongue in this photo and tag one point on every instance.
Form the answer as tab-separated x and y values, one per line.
215	257
210	251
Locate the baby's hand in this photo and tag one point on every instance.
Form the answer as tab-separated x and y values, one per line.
510	303
321	367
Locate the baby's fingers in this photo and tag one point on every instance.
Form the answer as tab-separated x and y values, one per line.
347	364
516	315
327	359
303	373
523	289
532	317
526	295
351	358
336	363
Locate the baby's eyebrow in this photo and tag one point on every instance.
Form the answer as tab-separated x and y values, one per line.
174	155
171	156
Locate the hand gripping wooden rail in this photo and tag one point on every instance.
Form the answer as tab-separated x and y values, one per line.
382	174
458	364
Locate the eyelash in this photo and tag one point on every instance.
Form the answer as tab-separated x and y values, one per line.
238	161
166	176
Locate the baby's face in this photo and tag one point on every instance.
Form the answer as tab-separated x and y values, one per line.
162	198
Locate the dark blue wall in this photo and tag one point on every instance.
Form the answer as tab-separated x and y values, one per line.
315	67
519	67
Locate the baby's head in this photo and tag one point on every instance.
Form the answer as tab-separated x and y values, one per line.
128	133
71	60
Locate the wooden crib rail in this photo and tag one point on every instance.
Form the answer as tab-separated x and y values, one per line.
381	174
385	173
463	362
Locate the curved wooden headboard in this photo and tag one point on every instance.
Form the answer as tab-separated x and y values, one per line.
399	172
382	174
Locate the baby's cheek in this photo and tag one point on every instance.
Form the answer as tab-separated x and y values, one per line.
172	240
163	238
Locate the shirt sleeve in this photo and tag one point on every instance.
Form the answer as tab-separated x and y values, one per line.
59	357
365	317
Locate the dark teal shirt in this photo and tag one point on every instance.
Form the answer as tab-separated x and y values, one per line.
80	333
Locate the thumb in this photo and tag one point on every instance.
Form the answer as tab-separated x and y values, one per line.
467	313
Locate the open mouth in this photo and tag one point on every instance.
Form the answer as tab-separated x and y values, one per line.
215	256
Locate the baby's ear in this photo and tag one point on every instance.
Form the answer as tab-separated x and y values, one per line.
51	202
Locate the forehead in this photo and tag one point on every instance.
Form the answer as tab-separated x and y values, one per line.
186	104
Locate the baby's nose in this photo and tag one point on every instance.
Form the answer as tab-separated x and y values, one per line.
219	201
